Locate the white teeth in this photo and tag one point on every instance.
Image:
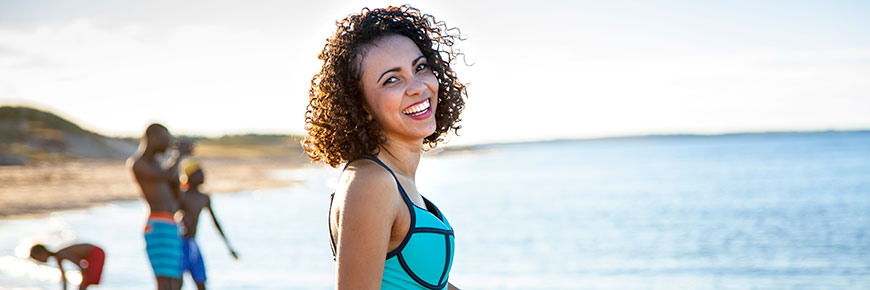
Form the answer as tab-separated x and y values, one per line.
417	109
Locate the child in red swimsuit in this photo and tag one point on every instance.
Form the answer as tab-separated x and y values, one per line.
88	257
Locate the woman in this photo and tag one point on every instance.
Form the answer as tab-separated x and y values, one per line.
385	91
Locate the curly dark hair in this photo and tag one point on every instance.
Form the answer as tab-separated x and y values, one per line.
339	128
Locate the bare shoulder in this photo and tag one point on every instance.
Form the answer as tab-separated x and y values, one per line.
206	199
196	199
134	162
366	184
139	165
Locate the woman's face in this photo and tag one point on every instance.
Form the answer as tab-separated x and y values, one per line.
400	90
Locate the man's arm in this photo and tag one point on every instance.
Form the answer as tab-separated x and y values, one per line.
221	231
182	149
451	287
144	171
172	169
62	274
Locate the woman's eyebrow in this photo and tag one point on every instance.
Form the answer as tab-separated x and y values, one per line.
417	59
388	71
398	68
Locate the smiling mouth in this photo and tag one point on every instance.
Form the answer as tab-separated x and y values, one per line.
418	109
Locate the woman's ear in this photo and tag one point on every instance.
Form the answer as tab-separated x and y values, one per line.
368	112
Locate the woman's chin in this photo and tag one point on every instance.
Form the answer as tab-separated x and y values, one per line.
428	131
419	135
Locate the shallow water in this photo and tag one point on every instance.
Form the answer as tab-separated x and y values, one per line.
786	211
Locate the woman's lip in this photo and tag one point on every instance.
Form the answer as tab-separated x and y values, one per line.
424	115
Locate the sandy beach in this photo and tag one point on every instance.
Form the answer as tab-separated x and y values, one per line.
41	188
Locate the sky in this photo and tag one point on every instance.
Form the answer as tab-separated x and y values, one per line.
538	70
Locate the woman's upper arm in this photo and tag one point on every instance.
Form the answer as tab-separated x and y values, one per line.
365	219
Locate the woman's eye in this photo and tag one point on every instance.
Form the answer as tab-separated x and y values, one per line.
422	66
391	80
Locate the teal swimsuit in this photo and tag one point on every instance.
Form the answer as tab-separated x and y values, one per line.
424	258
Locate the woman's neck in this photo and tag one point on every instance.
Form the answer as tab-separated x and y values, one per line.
402	156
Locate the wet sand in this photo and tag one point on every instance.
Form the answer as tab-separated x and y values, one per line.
45	187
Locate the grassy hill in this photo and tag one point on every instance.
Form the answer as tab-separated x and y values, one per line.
28	135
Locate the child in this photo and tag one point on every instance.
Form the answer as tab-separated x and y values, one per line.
193	201
88	257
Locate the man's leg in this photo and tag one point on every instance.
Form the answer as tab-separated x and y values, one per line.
196	265
164	283
176	284
163	246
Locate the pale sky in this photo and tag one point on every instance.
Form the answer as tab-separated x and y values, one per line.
541	69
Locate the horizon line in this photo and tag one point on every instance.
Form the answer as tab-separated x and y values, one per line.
483	143
671	135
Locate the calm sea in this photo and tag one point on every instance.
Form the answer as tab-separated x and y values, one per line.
769	211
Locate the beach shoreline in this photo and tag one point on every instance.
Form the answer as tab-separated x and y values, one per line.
38	189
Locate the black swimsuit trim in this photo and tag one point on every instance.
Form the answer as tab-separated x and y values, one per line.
447	261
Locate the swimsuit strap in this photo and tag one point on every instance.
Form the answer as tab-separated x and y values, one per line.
398	184
329	227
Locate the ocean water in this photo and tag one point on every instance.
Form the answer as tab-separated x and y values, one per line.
769	211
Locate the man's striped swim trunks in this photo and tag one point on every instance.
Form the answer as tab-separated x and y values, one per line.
163	244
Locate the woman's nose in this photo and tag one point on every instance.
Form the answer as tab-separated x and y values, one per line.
415	87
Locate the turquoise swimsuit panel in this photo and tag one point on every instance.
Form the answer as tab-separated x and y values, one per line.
424	258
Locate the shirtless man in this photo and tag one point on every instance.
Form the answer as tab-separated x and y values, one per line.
194	202
160	188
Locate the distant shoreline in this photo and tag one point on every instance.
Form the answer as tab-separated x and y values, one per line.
42	188
657	137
